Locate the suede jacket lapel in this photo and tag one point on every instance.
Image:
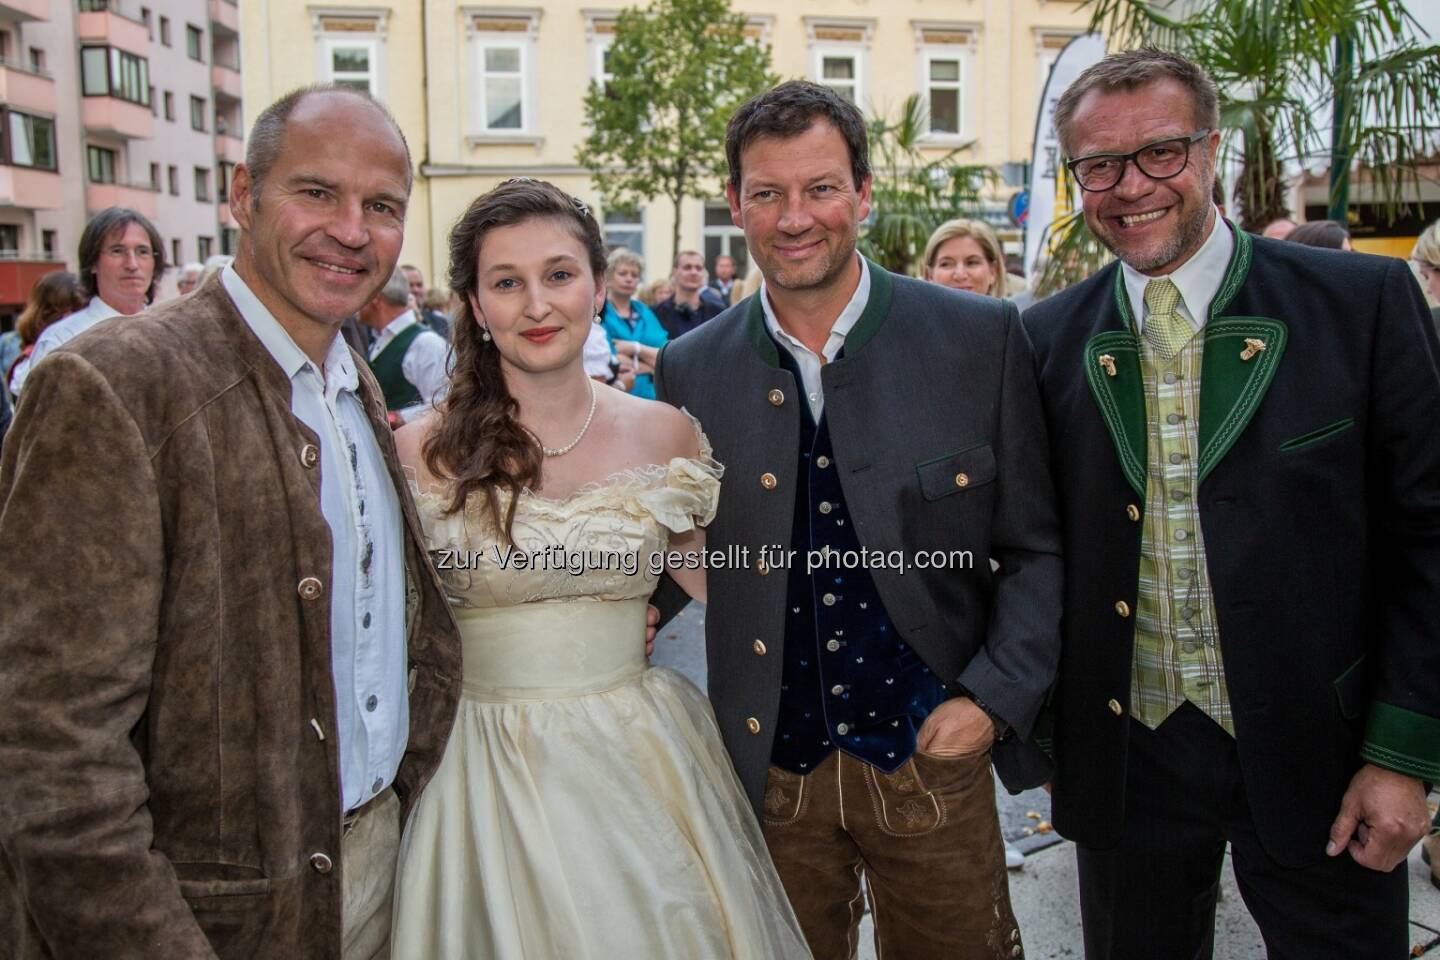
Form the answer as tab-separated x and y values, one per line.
1241	355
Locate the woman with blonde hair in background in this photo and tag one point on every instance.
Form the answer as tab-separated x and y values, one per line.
966	255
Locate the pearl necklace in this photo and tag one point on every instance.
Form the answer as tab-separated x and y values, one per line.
561	451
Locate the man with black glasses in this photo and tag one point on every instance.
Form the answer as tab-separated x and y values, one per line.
1245	436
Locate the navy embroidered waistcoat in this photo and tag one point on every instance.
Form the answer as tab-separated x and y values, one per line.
849	680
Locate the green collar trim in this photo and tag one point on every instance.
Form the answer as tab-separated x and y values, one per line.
877	308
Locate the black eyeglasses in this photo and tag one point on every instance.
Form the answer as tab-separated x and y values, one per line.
1159	160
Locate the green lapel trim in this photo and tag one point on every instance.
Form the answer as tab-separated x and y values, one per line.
1121	398
1231	388
877	307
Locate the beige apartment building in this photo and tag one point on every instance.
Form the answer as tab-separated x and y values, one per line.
106	102
489	91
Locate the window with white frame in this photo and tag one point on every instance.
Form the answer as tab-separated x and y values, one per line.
839	53
350	46
723	239
351	63
840	71
600	34
943	89
502	58
945	64
625	228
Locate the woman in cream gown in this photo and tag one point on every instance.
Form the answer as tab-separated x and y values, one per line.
585	806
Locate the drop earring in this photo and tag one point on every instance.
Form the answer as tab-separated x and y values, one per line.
485	334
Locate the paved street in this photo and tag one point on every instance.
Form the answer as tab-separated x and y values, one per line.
1044	891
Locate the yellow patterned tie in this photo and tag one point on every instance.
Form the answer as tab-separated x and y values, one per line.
1167	331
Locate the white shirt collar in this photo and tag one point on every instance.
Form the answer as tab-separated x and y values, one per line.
339	372
99	308
1198	279
399	323
847	318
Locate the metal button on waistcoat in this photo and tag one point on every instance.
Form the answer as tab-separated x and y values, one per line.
768	481
752	725
777	397
321	863
1181	534
825	506
1172	418
822	461
842	728
1133	512
310	589
1122	608
1176	457
759	647
832	645
1188	646
962	480
761	567
371	702
828	599
309	455
1115	707
1171	378
1177	495
838	689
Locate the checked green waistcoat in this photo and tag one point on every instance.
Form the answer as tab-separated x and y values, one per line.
1177	650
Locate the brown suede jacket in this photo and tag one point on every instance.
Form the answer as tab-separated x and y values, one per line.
171	783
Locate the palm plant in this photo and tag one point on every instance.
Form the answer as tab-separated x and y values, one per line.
910	195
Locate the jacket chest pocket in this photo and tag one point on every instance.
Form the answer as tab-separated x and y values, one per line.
956	472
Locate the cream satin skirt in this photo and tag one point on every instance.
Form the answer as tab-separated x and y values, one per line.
585	808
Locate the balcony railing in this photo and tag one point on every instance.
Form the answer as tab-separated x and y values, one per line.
10	63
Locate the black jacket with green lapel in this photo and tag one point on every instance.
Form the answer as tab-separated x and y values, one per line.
1319	501
932	383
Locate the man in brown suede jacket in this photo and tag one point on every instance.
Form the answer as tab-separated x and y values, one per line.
226	666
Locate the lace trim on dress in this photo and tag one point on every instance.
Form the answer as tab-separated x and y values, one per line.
680	495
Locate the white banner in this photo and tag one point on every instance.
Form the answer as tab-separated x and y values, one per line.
1046	203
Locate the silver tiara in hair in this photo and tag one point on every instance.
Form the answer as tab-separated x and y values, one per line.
579	204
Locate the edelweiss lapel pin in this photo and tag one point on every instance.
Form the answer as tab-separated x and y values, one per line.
1252	347
1108	362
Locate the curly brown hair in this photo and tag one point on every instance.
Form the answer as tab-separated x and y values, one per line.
479	442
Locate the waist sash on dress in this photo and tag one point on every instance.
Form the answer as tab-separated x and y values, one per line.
550	650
